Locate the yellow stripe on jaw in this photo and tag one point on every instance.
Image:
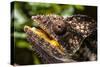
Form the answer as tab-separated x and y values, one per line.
52	42
41	34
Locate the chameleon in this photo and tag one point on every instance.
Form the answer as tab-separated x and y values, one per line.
59	39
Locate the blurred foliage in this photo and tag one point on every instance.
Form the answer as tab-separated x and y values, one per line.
21	15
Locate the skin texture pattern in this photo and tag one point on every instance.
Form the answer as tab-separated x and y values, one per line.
57	39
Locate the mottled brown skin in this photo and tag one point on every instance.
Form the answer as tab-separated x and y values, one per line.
71	32
45	49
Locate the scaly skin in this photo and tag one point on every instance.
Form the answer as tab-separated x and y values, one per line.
60	38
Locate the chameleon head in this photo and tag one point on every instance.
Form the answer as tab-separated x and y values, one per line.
57	36
44	44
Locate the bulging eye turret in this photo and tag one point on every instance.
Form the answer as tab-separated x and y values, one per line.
59	27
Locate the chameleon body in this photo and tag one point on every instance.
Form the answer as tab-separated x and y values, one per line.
58	39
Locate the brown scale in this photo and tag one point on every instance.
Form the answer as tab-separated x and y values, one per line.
81	24
86	27
70	32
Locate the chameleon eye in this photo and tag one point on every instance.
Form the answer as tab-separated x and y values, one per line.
59	27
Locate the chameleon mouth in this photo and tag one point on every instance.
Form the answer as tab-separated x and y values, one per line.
42	34
45	36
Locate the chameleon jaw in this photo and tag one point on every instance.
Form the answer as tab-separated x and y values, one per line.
41	35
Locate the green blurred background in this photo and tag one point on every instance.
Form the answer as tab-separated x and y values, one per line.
21	13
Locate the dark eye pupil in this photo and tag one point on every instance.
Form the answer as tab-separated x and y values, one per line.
59	26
